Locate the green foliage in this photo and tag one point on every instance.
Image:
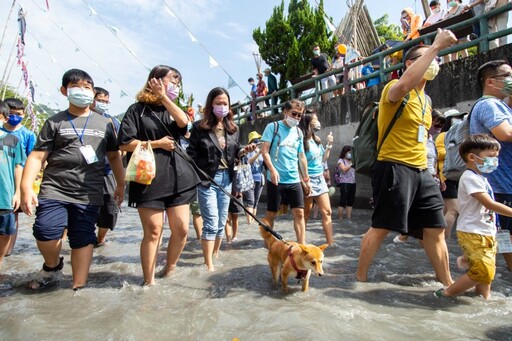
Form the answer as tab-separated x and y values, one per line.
286	43
387	31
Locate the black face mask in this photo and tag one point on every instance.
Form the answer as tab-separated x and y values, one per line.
256	141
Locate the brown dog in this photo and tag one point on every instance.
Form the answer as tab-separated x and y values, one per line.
292	258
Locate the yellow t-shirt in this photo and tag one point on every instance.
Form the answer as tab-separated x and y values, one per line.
402	144
441	154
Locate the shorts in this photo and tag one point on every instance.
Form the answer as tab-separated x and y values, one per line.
107	217
452	188
234	208
194	207
318	185
53	216
503	221
347	194
252	198
292	192
7	223
406	199
480	252
178	199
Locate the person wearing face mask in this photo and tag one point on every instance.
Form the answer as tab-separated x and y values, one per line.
437	14
455	8
215	147
401	181
74	146
27	138
156	120
321	64
490	115
346	182
495	23
476	227
282	149
316	156
108	212
411	23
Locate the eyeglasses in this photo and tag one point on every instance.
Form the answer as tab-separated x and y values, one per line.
508	74
296	114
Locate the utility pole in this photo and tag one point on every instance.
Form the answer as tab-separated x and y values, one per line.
426	8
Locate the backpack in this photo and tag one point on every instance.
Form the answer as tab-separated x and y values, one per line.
364	149
276	128
454	166
337	175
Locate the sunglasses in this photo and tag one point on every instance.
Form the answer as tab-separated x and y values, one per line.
296	114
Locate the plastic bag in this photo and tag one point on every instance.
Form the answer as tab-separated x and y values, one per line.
141	167
244	181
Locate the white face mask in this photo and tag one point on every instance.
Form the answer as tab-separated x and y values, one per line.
101	107
80	97
292	122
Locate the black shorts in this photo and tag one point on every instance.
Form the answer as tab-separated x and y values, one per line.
452	188
347	194
178	199
108	213
406	199
234	207
292	192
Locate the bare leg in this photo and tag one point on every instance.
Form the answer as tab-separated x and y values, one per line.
270	217
102	235
464	283
437	252
369	247
234	224
216	247
324	206
349	212
308	206
299	225
13	238
340	212
197	221
152	223
484	290
80	263
508	260
450	215
228	230
50	250
179	218
4	246
249	218
207	246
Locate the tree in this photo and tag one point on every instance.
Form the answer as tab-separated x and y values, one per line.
387	31
287	41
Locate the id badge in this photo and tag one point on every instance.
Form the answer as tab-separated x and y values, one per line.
503	240
89	154
421	133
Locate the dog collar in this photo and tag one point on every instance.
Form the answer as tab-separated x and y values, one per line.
301	274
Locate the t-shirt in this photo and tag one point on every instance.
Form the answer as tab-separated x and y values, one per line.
256	166
117	124
402	144
435	17
314	155
366	70
68	177
473	216
173	173
348	177
486	115
284	154
11	155
431	156
478	9
26	137
320	63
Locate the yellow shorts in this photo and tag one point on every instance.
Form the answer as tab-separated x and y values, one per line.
480	252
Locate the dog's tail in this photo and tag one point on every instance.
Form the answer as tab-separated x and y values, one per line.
267	236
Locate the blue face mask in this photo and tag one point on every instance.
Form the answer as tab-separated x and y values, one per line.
101	107
14	120
490	164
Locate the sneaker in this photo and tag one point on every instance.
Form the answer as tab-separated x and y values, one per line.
439	293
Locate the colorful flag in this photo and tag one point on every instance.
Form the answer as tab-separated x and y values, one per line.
25	72
21	51
22	25
32	90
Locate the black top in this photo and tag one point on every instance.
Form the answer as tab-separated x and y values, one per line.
320	63
206	152
173	173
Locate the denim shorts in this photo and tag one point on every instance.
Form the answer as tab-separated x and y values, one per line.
7	226
53	216
318	185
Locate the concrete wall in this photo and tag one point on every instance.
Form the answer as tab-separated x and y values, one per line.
455	87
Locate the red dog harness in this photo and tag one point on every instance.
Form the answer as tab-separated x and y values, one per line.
301	274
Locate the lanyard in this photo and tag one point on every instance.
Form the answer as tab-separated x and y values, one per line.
80	136
423	107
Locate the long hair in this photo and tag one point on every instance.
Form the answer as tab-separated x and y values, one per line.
209	120
344	151
307	131
146	95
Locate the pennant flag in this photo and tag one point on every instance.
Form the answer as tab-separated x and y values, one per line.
194	40
108	80
54	61
92	11
25	72
39	45
113	29
22	25
32	90
213	62
21	51
231	83
170	12
123	94
329	24
77	49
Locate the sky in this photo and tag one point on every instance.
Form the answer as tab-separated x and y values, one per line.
116	41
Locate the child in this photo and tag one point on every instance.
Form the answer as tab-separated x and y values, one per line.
11	159
75	143
476	226
13	125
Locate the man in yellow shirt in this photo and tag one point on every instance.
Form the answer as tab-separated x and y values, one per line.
407	198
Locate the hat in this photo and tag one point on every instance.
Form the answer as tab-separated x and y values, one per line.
453	112
266	70
254	135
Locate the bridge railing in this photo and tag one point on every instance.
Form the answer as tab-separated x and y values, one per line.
242	110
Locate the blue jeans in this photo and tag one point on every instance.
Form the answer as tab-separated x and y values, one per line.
214	204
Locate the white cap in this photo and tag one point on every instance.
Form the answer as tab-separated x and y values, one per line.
452	112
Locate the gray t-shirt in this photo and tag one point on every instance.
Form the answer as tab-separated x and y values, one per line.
68	177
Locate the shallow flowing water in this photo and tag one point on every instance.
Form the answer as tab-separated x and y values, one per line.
239	299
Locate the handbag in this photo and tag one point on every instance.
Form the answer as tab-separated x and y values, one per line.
244	181
141	167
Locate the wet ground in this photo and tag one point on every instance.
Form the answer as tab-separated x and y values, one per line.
238	300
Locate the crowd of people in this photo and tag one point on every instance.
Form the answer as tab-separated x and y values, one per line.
197	160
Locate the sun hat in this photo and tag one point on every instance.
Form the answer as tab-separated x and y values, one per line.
254	135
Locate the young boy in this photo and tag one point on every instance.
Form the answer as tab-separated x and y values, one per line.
476	225
75	143
11	159
27	139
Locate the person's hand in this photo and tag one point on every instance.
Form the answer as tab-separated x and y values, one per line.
274	177
466	8
16	201
119	194
166	143
157	87
444	39
307	188
249	148
442	186
330	139
27	200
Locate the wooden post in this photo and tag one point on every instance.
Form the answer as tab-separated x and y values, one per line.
426	8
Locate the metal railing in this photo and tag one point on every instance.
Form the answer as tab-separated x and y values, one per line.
291	92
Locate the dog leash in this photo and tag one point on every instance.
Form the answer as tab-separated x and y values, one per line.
181	152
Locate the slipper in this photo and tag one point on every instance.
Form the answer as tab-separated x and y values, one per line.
47	276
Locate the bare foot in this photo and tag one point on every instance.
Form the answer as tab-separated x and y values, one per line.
361	277
166	271
216	254
209	268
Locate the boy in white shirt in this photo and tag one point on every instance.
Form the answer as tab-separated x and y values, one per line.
476	225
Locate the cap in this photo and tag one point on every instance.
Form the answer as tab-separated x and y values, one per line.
254	135
453	112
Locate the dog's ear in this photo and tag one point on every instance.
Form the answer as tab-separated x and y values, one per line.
303	248
323	247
